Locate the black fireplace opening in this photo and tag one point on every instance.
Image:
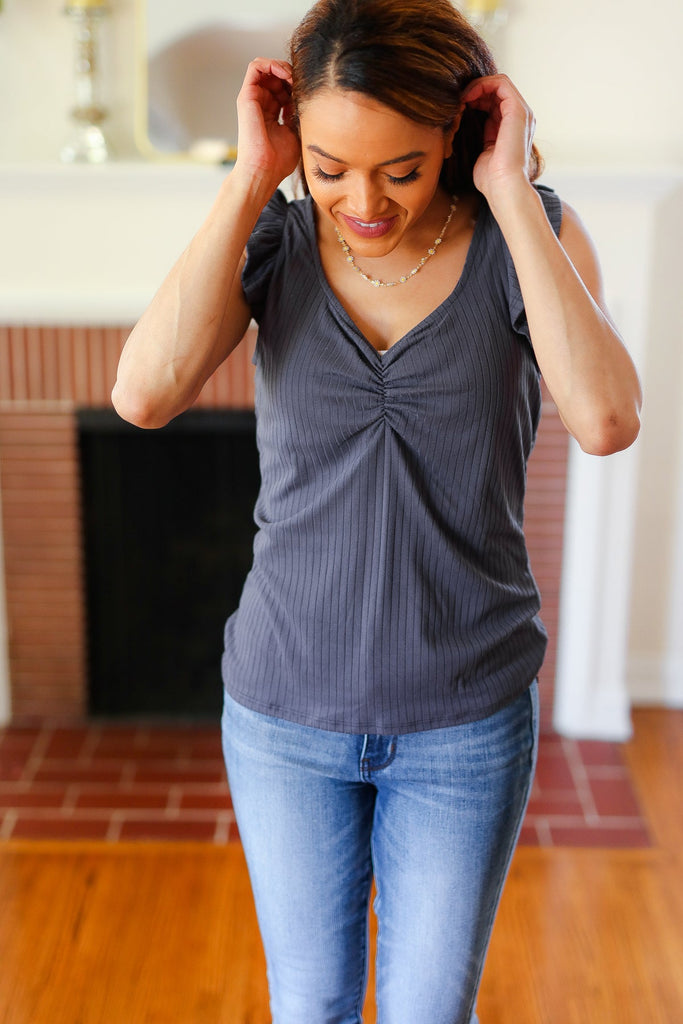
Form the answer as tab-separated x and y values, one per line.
168	532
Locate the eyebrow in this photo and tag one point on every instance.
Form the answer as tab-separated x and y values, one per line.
385	163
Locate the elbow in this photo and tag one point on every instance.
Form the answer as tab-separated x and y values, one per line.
135	408
611	434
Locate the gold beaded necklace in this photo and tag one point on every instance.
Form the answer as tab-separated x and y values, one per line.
375	281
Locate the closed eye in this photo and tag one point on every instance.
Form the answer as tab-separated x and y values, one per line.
320	174
405	179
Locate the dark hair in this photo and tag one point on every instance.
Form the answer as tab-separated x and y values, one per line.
414	56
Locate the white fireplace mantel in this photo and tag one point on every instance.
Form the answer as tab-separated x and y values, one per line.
90	245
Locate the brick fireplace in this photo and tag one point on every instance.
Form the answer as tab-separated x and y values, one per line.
46	375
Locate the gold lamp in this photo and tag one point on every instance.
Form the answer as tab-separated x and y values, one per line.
89	143
486	15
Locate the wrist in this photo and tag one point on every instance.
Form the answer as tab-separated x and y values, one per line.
508	194
513	202
238	205
250	186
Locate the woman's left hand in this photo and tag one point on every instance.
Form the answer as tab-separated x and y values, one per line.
508	134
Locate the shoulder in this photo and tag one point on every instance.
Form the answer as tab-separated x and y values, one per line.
553	205
555	209
278	233
283	207
274	227
573	229
274	215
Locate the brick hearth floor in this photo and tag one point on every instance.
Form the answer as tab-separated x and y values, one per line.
111	782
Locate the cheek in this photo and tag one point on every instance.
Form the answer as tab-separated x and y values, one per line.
323	195
319	195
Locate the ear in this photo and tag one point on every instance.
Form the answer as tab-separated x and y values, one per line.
450	133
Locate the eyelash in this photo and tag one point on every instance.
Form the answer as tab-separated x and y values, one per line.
407	179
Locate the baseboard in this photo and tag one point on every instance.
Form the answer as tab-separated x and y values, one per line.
655	681
601	713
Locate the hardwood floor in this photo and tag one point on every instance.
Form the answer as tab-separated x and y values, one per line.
596	936
164	933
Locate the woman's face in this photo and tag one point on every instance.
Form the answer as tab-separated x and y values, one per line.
372	172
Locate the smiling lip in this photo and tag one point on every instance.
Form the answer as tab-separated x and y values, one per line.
369	229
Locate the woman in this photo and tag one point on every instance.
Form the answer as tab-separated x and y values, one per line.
381	706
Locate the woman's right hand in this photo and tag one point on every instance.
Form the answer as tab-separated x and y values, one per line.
267	146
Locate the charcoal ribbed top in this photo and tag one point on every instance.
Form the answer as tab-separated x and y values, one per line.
390	589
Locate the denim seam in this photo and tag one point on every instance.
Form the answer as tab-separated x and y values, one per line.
364	955
367	768
494	904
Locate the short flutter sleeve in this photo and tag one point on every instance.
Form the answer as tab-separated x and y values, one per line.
262	251
553	208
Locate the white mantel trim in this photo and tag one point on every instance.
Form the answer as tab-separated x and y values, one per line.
89	245
591	692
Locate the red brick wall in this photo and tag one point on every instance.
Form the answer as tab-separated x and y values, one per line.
42	547
45	375
544	529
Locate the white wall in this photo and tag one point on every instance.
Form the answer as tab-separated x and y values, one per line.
601	77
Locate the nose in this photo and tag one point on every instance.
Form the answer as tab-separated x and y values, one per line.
366	197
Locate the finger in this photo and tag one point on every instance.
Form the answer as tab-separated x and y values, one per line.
489	84
490	92
271	93
503	110
280	89
264	66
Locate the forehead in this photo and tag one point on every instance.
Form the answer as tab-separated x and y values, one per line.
357	129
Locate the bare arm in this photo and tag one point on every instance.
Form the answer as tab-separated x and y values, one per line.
581	356
199	313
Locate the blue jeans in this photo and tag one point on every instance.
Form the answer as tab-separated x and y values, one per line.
432	816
